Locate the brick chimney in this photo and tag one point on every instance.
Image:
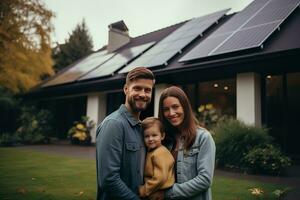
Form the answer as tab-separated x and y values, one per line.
118	36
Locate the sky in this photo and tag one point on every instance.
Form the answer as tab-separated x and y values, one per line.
140	16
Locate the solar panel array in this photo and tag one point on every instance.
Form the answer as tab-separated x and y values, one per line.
117	62
82	67
167	48
248	29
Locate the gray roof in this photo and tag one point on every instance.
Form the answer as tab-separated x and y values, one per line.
280	48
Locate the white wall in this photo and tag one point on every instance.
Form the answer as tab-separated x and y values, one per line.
248	98
96	110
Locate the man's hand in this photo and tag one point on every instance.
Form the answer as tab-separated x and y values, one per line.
159	195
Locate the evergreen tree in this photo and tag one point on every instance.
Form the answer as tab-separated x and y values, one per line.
77	46
25	52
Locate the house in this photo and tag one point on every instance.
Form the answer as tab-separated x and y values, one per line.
244	65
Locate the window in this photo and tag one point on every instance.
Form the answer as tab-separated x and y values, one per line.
212	100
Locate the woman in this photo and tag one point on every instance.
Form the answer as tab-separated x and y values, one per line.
192	147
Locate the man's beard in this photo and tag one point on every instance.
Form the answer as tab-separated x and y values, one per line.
133	106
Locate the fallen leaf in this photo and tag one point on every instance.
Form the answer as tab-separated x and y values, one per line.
41	190
22	191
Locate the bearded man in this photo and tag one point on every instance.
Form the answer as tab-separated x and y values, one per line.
120	150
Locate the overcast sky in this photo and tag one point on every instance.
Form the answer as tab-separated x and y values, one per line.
140	16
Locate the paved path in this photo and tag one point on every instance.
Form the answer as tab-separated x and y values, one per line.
87	152
292	178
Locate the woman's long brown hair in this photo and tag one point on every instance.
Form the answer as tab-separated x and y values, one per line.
187	129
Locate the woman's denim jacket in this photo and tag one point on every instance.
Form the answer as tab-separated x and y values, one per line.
195	169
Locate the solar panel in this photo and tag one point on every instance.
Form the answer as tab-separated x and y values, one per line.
272	12
240	18
247	38
167	48
207	45
85	65
118	61
248	29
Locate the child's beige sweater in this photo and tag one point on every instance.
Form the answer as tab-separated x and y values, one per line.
159	171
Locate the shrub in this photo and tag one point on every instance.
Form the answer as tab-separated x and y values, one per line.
281	193
234	139
79	133
8	139
266	160
35	126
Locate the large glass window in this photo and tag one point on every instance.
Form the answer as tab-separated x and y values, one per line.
274	107
115	99
212	100
65	112
293	111
282	110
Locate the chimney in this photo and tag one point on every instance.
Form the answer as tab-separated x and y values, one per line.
118	36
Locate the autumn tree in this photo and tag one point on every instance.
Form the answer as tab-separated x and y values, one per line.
78	45
25	52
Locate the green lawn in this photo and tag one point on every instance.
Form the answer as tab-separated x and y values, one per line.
29	175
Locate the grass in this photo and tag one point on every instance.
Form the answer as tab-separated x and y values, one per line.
233	189
30	175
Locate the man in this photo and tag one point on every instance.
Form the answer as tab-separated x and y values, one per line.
120	149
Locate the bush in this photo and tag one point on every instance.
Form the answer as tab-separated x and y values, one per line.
8	139
35	126
234	139
79	133
266	160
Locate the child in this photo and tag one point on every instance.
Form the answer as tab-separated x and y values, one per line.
159	164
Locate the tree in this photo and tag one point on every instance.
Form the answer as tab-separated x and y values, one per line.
25	52
77	46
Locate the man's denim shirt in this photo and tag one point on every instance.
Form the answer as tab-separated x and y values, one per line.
119	151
